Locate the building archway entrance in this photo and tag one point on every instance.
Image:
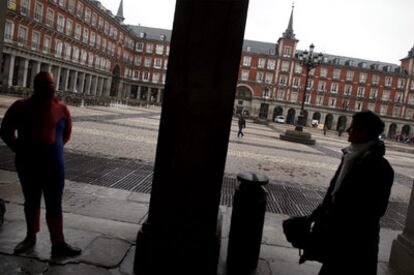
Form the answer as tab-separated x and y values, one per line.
328	121
341	123
406	130
277	111
116	78
316	116
243	100
392	130
290	119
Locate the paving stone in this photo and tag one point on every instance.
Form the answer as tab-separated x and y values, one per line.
273	230
139	197
105	252
18	265
77	269
11	192
127	265
117	210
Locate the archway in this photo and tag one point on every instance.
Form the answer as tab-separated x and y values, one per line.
277	111
392	130
116	77
243	93
244	97
341	123
328	121
406	130
316	116
290	119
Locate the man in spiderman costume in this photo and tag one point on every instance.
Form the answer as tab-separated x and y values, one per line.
36	129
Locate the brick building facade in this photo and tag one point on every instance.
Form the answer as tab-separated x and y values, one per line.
93	55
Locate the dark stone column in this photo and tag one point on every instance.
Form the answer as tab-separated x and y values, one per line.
182	232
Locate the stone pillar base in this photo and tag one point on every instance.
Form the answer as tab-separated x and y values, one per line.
176	253
402	255
298	137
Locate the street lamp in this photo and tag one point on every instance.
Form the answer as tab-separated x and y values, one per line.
309	60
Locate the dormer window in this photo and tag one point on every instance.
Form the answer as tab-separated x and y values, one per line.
163	37
249	49
287	51
142	34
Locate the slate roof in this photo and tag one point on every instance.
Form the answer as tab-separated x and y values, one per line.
151	33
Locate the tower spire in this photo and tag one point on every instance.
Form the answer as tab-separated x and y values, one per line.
120	13
289	31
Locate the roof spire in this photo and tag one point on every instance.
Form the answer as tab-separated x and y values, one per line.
289	31
120	13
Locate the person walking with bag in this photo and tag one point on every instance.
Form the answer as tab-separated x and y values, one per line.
345	234
43	125
242	125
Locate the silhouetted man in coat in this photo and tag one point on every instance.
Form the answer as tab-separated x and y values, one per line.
347	223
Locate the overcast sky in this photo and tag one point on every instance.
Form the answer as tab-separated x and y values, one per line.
379	30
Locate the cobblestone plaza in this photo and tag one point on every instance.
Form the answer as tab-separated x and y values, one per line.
121	132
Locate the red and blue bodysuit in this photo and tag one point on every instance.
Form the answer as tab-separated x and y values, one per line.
36	129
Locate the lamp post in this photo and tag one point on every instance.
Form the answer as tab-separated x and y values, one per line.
309	60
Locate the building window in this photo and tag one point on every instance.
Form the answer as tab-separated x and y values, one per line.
138	60
269	78
79	11
92	39
309	84
35	40
336	74
319	100
401	83
25	7
373	93
266	92
412	84
362	77
84	56
22	35
281	94
75	54
245	75
165	64
285	66
312	72
68	50
261	63
69	26
149	48
167	50
360	92
78	31
409	114
282	80
158	63
47	42
259	77
85	37
293	97
298	69
8	30
94	19
375	79
271	64
350	75
62	3
358	106
385	95
147	61
396	111
60	22
384	110
58	48
348	90
38	12
295	83
321	86
50	18
345	104
307	99
159	49
334	88
388	81
324	72
411	99
332	102
398	97
71	6
139	46
371	107
247	60
287	51
145	76
156	77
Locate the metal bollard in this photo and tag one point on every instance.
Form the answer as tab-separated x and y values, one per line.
247	219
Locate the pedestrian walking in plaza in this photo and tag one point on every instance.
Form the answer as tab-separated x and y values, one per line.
43	125
242	125
345	234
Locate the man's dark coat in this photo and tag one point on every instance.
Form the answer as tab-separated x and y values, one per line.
347	228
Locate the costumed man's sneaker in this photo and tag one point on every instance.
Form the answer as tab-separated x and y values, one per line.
24	246
65	250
